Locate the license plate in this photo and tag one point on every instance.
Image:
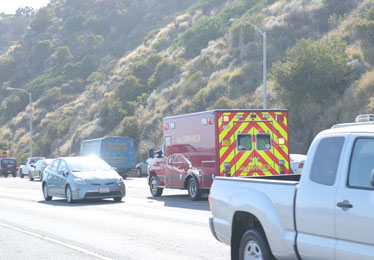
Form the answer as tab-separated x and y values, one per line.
9	171
104	190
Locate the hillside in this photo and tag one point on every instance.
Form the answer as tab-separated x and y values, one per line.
117	67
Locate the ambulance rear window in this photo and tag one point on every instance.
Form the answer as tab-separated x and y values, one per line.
263	142
244	142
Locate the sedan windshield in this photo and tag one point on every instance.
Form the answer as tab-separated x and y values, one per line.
85	164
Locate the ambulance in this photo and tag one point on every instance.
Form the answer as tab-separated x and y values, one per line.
199	146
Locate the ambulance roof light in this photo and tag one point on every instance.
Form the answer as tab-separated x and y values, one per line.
364	118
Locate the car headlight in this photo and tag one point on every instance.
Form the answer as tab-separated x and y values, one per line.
79	181
120	180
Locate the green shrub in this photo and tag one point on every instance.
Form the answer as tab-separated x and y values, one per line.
143	69
42	20
129	89
7	65
193	83
312	72
12	106
47	80
165	70
81	69
194	39
111	113
97	25
63	55
223	103
130	126
199	100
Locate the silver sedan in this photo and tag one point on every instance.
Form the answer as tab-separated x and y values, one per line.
78	178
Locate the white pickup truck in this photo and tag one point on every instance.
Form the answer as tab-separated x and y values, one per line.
327	214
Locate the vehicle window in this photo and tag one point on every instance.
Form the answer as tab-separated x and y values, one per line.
326	160
244	142
85	164
63	167
263	142
362	164
55	165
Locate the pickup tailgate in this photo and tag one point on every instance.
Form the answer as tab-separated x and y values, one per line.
270	201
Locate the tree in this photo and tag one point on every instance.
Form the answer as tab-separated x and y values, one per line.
312	72
63	55
24	11
130	127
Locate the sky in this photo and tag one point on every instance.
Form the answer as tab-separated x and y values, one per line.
10	6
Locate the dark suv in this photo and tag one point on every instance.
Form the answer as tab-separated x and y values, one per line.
8	166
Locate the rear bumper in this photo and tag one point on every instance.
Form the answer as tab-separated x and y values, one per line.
5	171
211	225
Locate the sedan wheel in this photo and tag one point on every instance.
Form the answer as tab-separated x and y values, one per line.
117	199
69	195
45	193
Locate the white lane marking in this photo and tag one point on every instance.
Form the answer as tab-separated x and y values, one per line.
79	249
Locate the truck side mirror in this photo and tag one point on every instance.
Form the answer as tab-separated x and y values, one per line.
151	153
372	178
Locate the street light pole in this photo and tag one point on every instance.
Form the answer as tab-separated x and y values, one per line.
263	33
30	101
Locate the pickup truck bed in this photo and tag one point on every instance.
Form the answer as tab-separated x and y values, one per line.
276	194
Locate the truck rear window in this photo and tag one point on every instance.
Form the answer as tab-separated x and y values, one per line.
263	142
326	160
244	142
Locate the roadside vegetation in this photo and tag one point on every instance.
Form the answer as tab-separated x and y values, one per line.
114	67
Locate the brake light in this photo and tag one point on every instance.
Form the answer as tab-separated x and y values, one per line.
282	167
301	165
45	166
210	202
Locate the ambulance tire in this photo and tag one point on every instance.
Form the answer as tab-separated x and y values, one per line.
194	191
153	187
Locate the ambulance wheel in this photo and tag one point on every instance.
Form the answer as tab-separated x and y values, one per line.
154	187
194	191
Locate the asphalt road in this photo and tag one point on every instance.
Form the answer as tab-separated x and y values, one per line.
139	227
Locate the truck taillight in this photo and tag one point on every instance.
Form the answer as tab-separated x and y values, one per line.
210	202
227	169
282	168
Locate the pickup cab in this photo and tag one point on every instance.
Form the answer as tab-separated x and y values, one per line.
327	212
28	166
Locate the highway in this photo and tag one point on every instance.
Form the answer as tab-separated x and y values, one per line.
139	227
